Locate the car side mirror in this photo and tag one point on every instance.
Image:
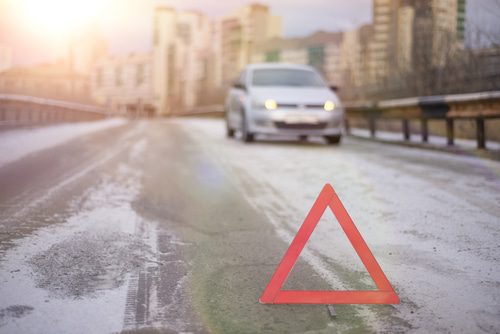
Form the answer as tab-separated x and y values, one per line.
334	88
239	85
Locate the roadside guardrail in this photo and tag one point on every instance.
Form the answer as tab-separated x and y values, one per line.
17	110
215	110
476	107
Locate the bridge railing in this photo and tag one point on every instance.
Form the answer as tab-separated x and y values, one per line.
16	110
215	110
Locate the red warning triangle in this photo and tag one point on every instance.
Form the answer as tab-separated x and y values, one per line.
273	293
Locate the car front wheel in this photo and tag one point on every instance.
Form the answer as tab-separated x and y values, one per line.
229	130
246	135
333	140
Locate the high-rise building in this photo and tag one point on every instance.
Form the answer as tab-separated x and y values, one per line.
238	35
390	47
405	31
124	84
461	5
384	36
439	27
404	42
192	55
448	28
164	35
354	55
449	16
182	58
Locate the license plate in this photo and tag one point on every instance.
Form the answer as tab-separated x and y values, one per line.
294	119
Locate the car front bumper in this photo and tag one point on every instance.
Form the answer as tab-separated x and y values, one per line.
297	123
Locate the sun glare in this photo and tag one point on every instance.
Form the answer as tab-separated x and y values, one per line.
59	16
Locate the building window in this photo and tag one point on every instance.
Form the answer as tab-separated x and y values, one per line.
118	76
139	74
156	33
184	32
316	57
98	79
273	56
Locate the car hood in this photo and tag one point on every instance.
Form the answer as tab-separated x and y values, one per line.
293	95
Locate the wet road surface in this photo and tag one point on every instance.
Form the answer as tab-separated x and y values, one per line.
167	226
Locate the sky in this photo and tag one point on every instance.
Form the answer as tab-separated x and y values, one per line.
127	24
37	30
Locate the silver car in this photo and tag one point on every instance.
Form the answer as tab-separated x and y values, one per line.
283	99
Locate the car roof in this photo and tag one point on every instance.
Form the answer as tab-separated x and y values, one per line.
260	66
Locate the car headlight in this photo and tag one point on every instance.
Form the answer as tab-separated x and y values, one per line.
271	104
329	106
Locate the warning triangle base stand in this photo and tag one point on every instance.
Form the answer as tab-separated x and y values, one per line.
273	294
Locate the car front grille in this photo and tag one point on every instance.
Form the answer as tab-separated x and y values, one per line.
315	106
297	106
288	105
300	126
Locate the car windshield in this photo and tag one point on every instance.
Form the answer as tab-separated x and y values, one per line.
286	77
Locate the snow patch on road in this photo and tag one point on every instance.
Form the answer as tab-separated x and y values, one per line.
74	277
427	216
16	144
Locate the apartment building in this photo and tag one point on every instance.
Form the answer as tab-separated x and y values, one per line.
238	34
51	80
382	40
449	16
406	32
195	59
390	46
124	84
182	58
438	30
404	42
354	55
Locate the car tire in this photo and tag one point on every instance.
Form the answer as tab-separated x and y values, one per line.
246	136
333	140
229	131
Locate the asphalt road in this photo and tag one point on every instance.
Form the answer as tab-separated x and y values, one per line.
167	226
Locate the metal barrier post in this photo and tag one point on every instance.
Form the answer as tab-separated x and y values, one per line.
480	133
371	123
424	130
450	132
406	129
